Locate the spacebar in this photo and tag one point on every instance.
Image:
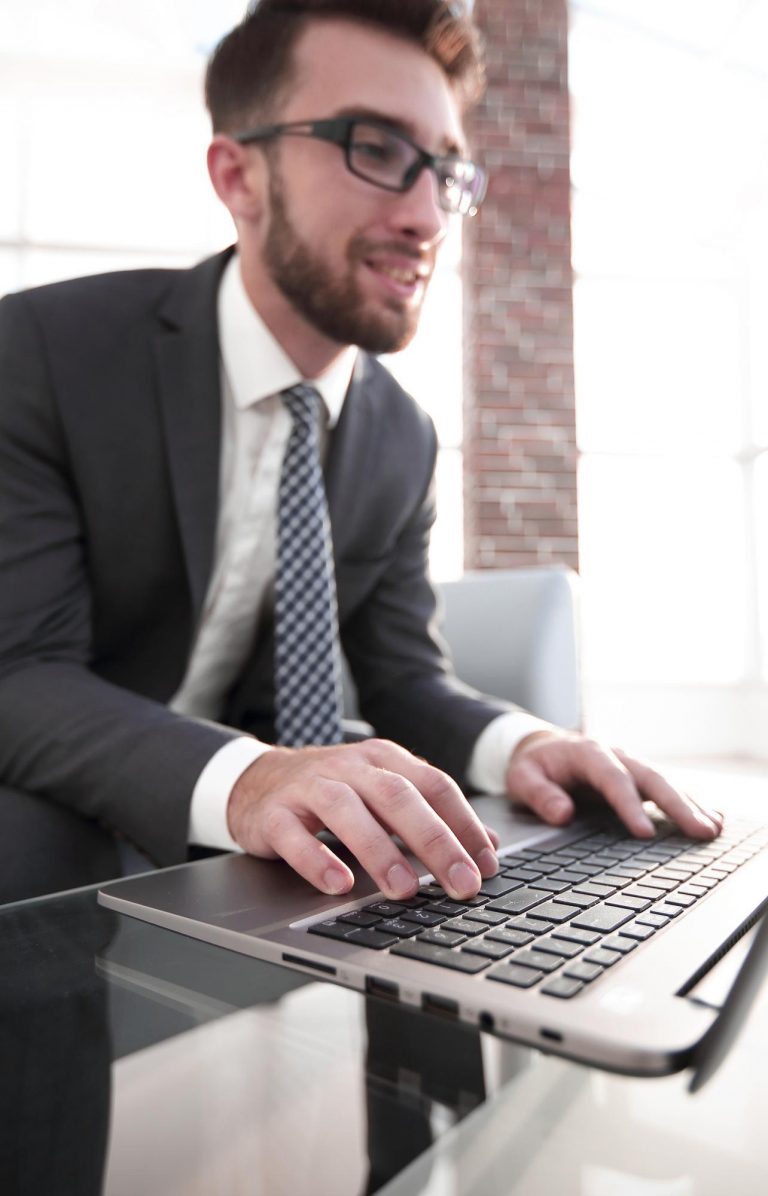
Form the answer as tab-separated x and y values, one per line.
444	957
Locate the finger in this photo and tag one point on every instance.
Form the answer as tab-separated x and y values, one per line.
392	798
599	768
529	785
284	832
693	819
343	812
450	805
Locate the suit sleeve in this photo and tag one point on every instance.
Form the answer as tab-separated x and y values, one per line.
406	686
65	733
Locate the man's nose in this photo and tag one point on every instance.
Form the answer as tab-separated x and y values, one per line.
417	212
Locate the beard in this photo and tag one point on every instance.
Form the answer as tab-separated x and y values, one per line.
332	301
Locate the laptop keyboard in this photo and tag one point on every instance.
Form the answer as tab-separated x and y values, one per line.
554	920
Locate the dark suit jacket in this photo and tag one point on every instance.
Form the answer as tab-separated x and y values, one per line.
109	457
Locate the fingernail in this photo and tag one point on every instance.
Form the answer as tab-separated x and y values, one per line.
400	881
463	880
488	862
557	808
335	882
645	826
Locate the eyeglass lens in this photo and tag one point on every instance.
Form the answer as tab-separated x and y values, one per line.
384	158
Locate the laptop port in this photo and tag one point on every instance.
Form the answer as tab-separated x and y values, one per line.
552	1035
441	1006
325	968
384	989
487	1020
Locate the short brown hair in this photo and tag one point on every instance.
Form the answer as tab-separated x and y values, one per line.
251	67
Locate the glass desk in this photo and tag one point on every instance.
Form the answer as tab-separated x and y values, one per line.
135	1061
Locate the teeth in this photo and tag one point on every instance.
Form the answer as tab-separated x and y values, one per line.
407	277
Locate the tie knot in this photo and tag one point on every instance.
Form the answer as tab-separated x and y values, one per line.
303	405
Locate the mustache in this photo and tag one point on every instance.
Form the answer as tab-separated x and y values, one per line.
362	248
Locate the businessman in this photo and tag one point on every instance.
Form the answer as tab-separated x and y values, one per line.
178	574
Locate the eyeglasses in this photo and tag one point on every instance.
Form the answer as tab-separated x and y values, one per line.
374	151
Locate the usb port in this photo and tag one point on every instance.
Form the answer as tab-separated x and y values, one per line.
441	1006
385	989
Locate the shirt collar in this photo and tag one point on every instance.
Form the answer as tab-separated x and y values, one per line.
255	364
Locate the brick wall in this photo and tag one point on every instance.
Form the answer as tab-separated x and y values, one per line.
519	436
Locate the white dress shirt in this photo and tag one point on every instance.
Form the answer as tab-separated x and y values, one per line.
255	431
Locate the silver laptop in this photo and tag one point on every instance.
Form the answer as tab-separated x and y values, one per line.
587	943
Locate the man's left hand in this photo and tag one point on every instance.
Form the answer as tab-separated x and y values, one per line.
547	768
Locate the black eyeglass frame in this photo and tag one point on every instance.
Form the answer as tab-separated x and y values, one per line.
339	131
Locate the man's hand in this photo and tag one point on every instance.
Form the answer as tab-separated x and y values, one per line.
547	766
364	793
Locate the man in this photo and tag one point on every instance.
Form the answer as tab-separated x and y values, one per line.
148	425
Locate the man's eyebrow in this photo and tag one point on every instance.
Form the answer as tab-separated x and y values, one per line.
449	146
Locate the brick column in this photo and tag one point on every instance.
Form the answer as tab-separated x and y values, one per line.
519	433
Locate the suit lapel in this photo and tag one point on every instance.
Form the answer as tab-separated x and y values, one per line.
187	359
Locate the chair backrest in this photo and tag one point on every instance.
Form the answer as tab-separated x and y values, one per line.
513	633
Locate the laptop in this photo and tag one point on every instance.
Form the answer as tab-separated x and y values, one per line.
587	943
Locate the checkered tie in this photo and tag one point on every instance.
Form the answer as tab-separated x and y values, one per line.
307	671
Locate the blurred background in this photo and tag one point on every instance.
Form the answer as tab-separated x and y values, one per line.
594	353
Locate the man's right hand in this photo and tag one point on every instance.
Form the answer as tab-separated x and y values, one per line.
364	793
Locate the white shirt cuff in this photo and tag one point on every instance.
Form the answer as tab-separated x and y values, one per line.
488	764
210	797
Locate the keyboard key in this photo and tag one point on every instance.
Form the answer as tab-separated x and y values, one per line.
632	871
516	938
596	888
682	899
668	909
624	901
559	947
440	937
601	918
513	973
516	903
359	917
620	943
586	869
498	885
398	927
486	916
371	938
529	925
331	929
563	987
643	891
570	877
387	909
457	961
692	890
522	874
490	948
614	880
422	917
583	971
552	911
651	919
658	883
450	909
464	926
602	956
585	937
434	892
548	885
529	957
580	899
637	931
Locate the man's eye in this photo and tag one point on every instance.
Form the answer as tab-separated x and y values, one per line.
377	151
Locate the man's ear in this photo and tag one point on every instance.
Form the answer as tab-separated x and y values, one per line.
239	177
